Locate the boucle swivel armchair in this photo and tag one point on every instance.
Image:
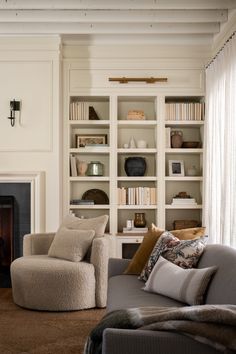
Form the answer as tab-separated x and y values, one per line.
42	282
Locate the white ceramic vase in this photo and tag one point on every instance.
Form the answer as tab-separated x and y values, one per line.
82	168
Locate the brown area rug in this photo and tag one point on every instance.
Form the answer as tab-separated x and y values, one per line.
35	332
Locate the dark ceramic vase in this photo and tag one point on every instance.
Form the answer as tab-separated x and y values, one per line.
139	220
135	166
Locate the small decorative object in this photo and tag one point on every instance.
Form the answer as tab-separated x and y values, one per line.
96	195
136	115
139	220
142	144
82	140
129	224
185	224
176	168
92	114
82	168
126	146
95	168
176	139
135	166
132	143
192	171
190	144
182	195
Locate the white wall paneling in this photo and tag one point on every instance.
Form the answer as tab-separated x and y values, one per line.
30	72
31	83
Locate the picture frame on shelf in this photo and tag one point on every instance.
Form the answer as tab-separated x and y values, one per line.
176	168
82	140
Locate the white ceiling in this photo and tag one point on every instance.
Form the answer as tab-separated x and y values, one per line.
140	20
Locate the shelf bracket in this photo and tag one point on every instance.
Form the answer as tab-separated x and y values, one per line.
148	80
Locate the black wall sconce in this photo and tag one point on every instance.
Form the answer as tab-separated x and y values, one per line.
14	107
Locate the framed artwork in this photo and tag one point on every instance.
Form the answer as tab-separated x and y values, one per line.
83	140
176	168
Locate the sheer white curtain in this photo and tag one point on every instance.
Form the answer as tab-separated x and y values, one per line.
220	147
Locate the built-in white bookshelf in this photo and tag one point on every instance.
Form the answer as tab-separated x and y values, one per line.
121	135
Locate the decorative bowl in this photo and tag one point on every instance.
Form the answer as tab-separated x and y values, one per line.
190	144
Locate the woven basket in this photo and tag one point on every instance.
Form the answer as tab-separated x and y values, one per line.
185	224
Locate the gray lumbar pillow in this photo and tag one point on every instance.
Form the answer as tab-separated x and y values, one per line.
97	224
71	245
185	285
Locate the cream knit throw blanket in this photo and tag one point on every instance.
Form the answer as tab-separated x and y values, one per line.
214	325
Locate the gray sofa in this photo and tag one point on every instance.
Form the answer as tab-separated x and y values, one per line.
125	291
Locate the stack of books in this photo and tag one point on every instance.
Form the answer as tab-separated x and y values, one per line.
82	202
135	230
184	201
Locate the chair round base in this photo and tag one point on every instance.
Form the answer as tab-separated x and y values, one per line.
51	284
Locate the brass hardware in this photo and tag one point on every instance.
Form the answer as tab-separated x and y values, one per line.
148	80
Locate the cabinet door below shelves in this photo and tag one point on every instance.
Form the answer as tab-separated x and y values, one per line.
127	246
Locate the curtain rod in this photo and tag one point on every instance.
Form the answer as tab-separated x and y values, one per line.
213	59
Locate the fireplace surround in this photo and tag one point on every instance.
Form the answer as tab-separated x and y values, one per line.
21	212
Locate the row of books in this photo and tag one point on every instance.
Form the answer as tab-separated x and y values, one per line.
79	111
168	137
184	111
73	166
137	196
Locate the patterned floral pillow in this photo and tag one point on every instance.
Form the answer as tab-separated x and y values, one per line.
184	253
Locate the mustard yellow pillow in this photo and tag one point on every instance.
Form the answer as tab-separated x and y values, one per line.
141	256
143	252
189	234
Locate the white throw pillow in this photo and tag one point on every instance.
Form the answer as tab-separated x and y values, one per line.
71	245
185	285
97	224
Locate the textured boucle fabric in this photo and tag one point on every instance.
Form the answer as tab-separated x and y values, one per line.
99	258
45	283
71	245
37	243
97	224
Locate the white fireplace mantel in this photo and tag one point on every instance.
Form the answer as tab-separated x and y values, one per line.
37	194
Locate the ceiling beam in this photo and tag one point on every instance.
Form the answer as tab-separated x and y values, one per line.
109	28
117	5
104	16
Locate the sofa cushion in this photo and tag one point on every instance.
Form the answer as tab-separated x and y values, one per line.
222	289
71	245
97	224
125	291
185	285
143	253
184	234
184	253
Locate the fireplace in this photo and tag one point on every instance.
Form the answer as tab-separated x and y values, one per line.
20	214
6	231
